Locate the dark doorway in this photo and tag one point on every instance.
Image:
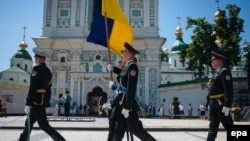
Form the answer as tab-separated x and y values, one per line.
96	99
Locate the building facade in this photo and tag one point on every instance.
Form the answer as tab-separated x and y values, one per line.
80	67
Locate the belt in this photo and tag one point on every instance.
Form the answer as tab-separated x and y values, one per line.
41	91
216	96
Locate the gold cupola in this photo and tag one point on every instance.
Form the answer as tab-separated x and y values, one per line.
23	45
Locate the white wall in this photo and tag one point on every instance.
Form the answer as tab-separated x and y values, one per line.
189	93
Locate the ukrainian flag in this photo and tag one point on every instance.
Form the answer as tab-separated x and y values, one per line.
118	28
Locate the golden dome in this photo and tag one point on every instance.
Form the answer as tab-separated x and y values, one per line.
23	45
178	32
217	15
166	51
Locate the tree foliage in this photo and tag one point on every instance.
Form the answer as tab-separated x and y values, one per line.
227	28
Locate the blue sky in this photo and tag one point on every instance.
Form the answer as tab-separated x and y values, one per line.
29	13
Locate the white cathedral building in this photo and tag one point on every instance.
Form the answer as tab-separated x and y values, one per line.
80	66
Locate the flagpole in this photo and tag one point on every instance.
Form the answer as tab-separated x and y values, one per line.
107	38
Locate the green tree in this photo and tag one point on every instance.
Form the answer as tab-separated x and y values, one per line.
226	30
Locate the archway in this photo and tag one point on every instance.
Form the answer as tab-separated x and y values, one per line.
96	98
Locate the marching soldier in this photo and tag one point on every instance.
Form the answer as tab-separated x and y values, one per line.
115	105
38	99
129	106
220	96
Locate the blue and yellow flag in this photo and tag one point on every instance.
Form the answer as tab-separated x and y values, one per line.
119	29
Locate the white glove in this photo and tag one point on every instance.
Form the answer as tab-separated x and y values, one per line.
225	110
27	109
110	84
106	106
125	112
110	67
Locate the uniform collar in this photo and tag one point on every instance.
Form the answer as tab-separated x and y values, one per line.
129	62
218	69
42	63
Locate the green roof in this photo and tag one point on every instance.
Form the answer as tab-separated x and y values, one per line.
178	45
184	82
22	54
201	80
164	56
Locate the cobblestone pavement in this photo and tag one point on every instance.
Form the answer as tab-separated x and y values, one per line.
73	135
163	129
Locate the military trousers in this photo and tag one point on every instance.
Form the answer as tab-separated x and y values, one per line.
133	125
38	113
216	116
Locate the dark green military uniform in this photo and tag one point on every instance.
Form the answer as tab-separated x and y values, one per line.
220	95
115	106
39	99
129	79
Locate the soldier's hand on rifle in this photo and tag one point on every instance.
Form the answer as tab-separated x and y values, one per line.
125	112
27	109
110	67
225	110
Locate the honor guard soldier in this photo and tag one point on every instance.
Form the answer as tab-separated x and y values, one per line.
220	96
38	99
115	111
129	106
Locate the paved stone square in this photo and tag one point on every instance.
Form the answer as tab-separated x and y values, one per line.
163	129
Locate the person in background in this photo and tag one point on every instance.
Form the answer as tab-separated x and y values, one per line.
220	96
171	110
60	103
202	110
154	110
161	110
181	107
56	110
190	110
67	103
150	110
38	99
176	104
4	109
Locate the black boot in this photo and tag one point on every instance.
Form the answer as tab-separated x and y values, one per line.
150	139
57	137
211	136
22	137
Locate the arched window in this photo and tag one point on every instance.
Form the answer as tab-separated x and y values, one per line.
26	67
97	57
62	59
